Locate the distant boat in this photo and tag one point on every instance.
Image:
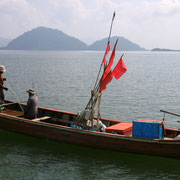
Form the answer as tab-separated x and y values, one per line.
119	135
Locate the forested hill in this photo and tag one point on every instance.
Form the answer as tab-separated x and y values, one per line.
123	44
43	38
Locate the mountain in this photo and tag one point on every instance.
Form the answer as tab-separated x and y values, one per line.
43	38
4	41
123	44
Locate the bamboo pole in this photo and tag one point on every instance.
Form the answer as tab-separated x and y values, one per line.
105	51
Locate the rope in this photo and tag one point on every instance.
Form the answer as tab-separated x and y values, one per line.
99	105
12	92
98	109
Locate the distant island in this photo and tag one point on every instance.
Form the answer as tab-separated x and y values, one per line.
43	38
159	49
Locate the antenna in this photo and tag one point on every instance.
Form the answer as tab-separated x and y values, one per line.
33	85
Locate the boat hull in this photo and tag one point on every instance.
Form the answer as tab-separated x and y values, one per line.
90	138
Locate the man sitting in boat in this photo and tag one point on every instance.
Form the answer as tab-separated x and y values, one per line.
2	70
31	109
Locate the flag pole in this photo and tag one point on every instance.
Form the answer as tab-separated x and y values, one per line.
95	85
105	51
111	26
96	92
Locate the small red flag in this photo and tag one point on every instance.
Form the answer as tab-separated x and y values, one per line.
108	67
106	81
120	69
107	51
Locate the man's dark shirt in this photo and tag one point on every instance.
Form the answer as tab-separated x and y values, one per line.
31	109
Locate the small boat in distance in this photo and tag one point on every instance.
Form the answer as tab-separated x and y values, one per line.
119	135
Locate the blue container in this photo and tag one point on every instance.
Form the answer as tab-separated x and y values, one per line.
148	129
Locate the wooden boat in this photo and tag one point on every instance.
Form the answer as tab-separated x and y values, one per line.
60	126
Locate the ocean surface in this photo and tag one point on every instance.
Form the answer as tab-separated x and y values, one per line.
63	80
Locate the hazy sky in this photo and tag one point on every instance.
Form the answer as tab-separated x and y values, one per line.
149	23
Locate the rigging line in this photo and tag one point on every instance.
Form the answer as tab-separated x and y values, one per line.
12	89
12	92
95	91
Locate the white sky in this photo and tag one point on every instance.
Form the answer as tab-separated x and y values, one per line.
149	23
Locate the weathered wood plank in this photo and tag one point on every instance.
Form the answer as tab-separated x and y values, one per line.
41	118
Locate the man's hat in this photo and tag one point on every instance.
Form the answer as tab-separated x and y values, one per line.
31	91
2	68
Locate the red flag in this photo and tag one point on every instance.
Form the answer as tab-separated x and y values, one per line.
120	69
106	81
107	51
108	67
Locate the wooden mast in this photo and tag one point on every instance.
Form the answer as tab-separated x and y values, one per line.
95	93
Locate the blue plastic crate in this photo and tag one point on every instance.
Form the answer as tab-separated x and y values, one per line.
148	129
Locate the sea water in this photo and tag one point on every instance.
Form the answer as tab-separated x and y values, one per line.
63	80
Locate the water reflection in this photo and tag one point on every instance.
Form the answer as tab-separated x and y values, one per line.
35	158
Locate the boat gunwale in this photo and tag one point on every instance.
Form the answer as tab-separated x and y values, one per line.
70	113
94	133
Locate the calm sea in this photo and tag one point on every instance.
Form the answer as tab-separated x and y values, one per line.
63	80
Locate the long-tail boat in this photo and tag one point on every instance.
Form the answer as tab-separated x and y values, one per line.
61	126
